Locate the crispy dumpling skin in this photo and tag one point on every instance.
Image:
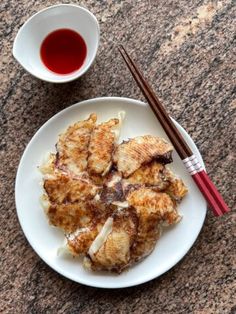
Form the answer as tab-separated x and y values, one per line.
160	178
149	232
132	154
72	147
148	200
79	241
152	209
101	147
114	252
71	216
153	174
62	188
176	188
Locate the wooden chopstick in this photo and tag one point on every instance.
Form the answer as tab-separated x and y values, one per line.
193	166
173	133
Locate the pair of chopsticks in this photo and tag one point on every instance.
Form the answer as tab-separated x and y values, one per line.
204	183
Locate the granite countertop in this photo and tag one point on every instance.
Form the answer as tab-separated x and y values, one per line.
187	50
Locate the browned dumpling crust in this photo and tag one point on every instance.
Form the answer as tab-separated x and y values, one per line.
153	208
80	241
145	199
112	252
132	154
101	147
62	188
153	174
176	188
94	217
72	146
70	217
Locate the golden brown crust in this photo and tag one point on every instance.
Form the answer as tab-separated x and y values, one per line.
69	217
95	215
152	209
73	145
152	174
80	242
62	188
132	154
101	147
149	232
147	200
176	189
114	254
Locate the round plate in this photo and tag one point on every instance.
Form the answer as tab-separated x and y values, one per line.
45	239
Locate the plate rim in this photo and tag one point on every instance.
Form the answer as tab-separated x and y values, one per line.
53	266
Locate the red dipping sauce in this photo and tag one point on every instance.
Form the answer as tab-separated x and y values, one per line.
63	51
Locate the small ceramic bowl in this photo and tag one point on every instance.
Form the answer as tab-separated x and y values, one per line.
26	47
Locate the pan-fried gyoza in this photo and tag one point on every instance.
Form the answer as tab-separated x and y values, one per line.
111	200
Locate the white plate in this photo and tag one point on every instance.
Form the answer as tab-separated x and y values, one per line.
45	240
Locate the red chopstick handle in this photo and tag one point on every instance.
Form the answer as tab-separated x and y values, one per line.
215	193
207	195
206	186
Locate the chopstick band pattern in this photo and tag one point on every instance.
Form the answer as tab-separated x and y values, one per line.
192	165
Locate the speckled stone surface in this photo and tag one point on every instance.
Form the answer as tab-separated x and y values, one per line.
187	50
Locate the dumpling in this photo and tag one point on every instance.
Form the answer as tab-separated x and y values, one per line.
132	154
147	200
72	147
71	216
78	242
176	188
101	146
153	208
62	188
153	174
111	201
111	248
91	222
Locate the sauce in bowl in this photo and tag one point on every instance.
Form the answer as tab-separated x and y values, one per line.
63	51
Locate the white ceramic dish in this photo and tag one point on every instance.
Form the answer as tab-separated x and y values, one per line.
26	47
45	239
